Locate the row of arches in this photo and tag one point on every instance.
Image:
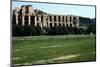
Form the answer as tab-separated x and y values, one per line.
33	20
63	18
20	19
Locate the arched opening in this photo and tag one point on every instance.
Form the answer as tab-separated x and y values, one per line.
41	18
75	21
66	18
50	18
59	24
54	18
32	20
38	29
51	25
70	25
38	25
63	24
70	19
62	18
59	18
55	24
27	9
66	25
26	19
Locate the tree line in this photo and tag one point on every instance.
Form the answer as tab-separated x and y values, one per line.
26	30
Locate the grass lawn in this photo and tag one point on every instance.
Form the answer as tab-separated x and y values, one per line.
53	49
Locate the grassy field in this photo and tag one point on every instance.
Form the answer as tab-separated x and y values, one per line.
53	49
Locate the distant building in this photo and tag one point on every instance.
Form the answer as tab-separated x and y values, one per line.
26	15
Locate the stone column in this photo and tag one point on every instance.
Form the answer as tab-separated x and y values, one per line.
52	20
29	19
72	21
44	21
68	20
65	20
35	20
60	20
48	21
77	21
40	20
23	21
57	20
16	18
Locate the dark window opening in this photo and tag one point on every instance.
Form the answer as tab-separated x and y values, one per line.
66	25
74	20
59	18
38	25
27	10
42	18
70	25
50	24
62	18
66	19
54	18
59	24
32	20
50	18
70	19
26	20
63	24
55	24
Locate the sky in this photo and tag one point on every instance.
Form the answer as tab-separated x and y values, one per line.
63	9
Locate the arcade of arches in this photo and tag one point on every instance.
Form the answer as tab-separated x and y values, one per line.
47	20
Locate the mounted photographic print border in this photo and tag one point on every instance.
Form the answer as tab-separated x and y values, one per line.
52	33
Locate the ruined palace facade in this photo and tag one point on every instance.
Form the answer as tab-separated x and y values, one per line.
26	15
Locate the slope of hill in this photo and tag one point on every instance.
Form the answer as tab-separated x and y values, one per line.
87	21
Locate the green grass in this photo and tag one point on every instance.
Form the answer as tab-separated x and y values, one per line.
44	49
